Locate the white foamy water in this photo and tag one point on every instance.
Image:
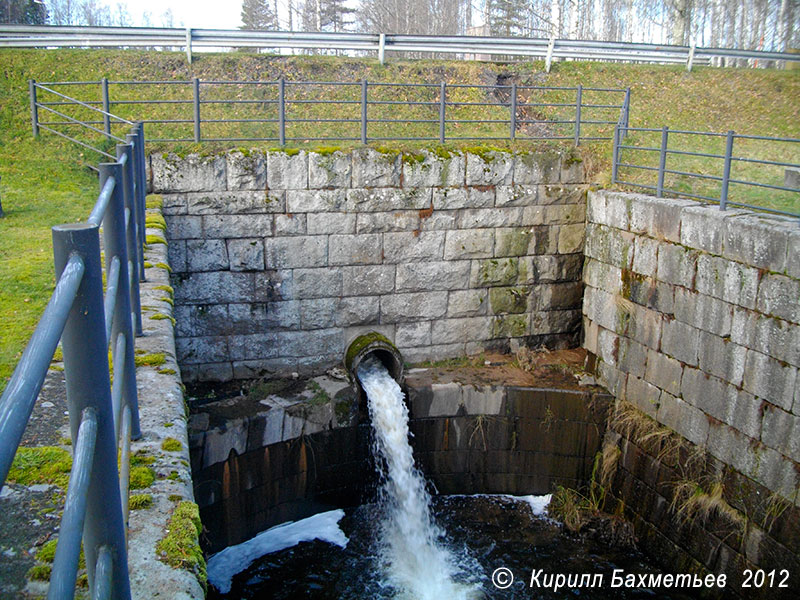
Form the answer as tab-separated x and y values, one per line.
232	560
416	563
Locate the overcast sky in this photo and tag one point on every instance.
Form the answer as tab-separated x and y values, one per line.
187	13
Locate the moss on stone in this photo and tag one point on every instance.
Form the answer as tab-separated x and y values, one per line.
47	552
162	317
167	371
326	150
320	395
43	464
389	153
165	266
486	153
444	152
171	445
510	326
180	547
152	239
165	288
150	360
362	342
498	271
148	265
508	300
414	158
343	411
631	283
156	221
140	501
140	458
39	572
286	151
514	242
572	157
141	477
154	201
168	300
174	497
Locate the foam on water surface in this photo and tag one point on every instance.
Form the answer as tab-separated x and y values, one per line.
232	560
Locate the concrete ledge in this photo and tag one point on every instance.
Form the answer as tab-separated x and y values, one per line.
163	416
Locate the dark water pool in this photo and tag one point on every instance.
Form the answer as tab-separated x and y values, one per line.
494	532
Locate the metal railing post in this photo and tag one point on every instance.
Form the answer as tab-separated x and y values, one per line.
133	249
690	60
615	154
133	139
662	161
196	103
34	107
513	104
282	111
548	61
141	195
87	381
189	44
626	108
726	171
442	105
364	111
578	103
381	48
106	106
116	243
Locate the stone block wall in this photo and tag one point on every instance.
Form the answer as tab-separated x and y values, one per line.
281	259
257	463
694	315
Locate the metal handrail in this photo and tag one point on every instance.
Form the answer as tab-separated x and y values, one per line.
728	158
438	101
25	36
103	419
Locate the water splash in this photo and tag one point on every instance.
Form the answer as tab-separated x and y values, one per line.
416	563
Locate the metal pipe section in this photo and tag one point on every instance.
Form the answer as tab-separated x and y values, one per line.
104	575
116	244
16	403
125	155
112	287
65	563
378	346
34	107
88	386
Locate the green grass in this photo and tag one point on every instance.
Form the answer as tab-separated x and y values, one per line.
44	464
45	182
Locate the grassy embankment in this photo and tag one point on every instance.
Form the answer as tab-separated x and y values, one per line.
43	183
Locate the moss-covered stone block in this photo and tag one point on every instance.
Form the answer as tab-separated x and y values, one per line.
180	547
498	271
512	300
510	326
512	241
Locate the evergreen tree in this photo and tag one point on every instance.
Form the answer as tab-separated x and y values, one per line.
335	16
257	14
508	17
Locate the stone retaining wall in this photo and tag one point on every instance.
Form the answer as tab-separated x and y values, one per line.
258	463
694	315
280	259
